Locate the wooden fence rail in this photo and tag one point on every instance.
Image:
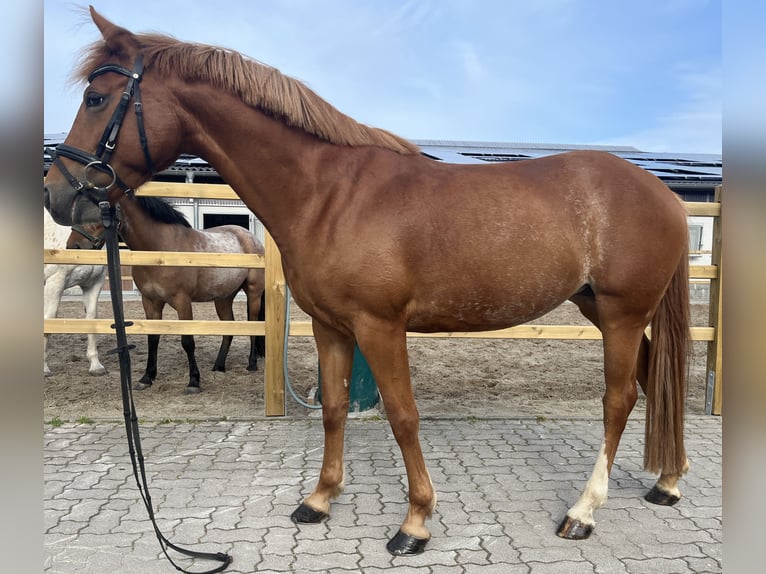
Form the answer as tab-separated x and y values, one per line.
274	325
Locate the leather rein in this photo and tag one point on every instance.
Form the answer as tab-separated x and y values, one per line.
109	219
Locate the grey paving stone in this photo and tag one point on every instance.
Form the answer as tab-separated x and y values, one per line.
231	486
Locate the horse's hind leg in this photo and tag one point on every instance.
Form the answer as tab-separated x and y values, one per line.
223	352
252	358
665	492
52	291
256	311
46	369
90	300
622	334
223	307
336	353
260	341
257	342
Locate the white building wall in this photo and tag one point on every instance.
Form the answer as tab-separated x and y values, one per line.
699	289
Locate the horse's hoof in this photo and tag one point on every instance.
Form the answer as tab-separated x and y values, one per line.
405	545
656	496
574	529
219	368
47	374
140	386
252	368
304	514
98	372
192	391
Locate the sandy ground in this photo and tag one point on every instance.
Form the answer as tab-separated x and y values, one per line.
458	377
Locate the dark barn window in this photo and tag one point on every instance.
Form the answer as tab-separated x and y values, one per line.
215	219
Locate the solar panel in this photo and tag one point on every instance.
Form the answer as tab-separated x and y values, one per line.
695	173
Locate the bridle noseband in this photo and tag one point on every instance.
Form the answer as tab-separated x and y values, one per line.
97	241
100	160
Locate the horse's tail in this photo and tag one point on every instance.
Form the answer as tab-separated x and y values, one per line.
666	388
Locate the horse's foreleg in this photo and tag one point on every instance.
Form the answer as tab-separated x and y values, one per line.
150	373
621	345
187	342
183	306
336	353
223	308
90	301
152	310
385	348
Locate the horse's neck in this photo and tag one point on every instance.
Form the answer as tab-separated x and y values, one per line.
274	174
136	228
142	232
54	235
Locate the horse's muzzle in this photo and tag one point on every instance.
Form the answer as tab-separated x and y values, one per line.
67	207
60	216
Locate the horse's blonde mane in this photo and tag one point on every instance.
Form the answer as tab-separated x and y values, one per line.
257	84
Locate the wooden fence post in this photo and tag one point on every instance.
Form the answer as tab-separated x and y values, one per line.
274	379
714	392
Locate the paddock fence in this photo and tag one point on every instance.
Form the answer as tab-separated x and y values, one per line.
273	327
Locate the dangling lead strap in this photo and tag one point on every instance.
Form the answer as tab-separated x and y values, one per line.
131	419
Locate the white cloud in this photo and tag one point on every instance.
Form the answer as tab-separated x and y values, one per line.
471	62
410	15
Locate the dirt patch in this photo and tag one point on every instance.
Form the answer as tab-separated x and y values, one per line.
452	377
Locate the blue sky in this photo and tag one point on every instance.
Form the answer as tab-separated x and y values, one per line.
646	74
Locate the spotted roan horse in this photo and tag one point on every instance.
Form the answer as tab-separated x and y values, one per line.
151	224
377	240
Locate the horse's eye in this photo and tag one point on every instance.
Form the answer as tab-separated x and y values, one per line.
93	100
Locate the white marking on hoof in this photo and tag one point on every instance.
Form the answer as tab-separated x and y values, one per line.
342	483
595	492
433	504
668	483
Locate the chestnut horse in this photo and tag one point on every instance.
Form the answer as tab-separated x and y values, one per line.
151	224
405	242
57	278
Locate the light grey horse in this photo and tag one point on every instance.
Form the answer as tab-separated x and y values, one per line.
59	278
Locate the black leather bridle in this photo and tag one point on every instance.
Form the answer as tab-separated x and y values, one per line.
109	218
100	160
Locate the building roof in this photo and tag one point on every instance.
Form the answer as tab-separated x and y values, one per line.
677	170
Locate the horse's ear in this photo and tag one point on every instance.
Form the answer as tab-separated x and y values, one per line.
119	40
